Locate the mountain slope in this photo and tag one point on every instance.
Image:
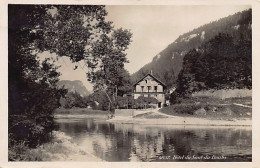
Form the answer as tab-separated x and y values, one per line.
168	63
74	86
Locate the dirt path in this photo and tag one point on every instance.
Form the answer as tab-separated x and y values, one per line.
156	111
242	105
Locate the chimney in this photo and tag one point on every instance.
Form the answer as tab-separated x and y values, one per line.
151	72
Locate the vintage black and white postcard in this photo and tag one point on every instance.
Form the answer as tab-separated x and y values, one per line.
85	83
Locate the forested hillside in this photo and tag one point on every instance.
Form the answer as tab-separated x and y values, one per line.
221	63
235	28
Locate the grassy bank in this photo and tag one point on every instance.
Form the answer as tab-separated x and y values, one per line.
149	115
80	111
61	148
212	107
224	93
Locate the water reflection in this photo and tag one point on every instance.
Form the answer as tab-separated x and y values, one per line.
130	142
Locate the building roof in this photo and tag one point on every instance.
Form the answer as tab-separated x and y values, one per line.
152	77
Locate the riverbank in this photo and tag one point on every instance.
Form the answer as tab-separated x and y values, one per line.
199	111
177	120
61	148
79	111
207	111
155	117
152	118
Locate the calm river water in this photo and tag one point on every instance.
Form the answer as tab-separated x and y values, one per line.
132	142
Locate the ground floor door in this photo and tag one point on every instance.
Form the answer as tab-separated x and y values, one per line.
159	104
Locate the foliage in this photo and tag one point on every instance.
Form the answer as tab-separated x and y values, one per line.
125	102
66	30
85	111
215	108
100	100
111	77
72	99
144	102
224	93
129	102
74	86
180	109
220	63
18	152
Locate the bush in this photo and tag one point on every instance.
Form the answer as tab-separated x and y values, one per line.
125	102
181	109
145	102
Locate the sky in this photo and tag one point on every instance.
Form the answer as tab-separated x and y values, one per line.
153	28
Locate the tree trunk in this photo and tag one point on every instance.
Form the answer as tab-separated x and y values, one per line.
116	91
109	107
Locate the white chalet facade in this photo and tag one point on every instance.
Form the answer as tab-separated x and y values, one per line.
149	86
